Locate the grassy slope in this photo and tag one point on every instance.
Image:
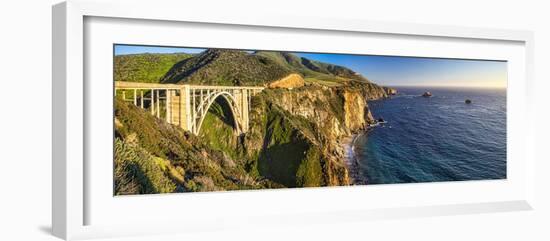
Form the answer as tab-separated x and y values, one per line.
225	67
233	67
166	154
289	157
313	71
137	172
145	67
218	129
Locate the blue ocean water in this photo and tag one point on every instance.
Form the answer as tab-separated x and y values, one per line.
440	138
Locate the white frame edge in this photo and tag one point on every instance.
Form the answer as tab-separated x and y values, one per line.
68	92
67	120
59	188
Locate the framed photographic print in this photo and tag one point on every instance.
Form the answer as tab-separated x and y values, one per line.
232	120
205	119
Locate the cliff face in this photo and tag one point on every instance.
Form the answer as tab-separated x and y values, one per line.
356	111
295	135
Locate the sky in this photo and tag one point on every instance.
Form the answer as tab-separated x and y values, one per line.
390	70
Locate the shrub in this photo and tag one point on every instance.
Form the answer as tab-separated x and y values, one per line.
137	172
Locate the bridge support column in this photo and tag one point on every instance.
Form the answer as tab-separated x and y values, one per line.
152	102
169	106
141	98
185	108
241	97
158	103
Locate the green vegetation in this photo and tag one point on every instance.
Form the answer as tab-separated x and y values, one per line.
234	67
147	68
310	171
286	143
329	83
155	157
218	129
225	67
136	171
312	70
284	151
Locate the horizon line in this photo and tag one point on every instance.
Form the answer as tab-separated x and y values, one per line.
445	86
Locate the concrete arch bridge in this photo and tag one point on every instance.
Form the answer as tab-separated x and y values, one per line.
187	105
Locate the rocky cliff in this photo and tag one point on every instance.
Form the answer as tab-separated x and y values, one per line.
295	134
325	116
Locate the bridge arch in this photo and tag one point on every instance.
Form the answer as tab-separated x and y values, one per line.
233	107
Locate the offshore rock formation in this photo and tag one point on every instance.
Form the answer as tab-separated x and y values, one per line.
390	91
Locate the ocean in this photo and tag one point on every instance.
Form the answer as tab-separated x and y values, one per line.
435	139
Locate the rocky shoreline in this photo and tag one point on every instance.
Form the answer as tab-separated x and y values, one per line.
351	160
347	145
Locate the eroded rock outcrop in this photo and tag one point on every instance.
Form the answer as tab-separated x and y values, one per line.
289	82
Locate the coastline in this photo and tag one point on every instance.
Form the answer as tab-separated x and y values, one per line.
350	158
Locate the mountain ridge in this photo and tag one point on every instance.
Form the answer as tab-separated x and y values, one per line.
225	67
235	67
312	68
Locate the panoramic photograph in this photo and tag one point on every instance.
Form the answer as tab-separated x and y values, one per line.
205	119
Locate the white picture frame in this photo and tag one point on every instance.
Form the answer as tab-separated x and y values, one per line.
72	192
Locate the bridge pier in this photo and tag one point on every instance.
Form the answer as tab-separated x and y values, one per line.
185	108
241	98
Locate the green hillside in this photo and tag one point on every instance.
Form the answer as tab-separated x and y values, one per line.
311	69
146	67
234	67
152	156
226	67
